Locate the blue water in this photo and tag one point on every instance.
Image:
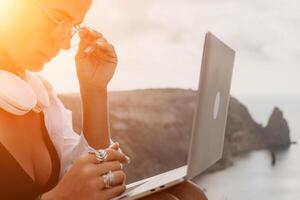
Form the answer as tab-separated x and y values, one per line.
253	176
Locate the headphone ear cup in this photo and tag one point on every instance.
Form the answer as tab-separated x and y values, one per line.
12	109
16	95
39	89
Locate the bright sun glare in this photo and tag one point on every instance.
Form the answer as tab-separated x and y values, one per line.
6	8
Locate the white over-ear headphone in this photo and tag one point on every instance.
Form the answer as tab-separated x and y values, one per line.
19	96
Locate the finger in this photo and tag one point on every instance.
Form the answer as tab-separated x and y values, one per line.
120	150
87	37
105	45
89	157
113	192
113	155
93	34
93	157
83	34
102	46
93	38
118	178
104	54
105	167
93	44
87	33
98	51
115	146
100	57
101	39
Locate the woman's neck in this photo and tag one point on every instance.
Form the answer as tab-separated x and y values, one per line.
8	64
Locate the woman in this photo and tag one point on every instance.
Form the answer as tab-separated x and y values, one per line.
41	156
32	165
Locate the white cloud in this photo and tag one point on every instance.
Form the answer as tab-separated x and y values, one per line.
159	43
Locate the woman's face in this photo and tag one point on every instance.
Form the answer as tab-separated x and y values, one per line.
31	37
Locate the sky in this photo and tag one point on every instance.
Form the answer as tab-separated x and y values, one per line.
159	44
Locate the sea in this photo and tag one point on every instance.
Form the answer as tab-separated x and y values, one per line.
252	175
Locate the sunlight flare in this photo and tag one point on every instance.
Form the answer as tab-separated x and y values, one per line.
10	12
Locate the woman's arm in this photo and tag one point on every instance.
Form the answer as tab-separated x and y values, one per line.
96	61
95	118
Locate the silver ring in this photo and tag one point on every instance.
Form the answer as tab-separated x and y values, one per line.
100	154
108	179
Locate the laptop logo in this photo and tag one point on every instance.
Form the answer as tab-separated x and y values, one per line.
216	105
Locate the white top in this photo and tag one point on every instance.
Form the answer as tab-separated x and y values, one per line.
58	121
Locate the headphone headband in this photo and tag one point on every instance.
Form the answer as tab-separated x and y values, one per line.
19	96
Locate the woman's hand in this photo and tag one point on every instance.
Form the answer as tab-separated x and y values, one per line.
96	60
84	179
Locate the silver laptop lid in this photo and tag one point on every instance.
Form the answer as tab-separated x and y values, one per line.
207	139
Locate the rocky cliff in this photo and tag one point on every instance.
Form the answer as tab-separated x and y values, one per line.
153	126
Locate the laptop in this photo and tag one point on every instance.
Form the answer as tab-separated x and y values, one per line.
209	122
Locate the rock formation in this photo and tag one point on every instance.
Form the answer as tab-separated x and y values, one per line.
277	130
153	127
